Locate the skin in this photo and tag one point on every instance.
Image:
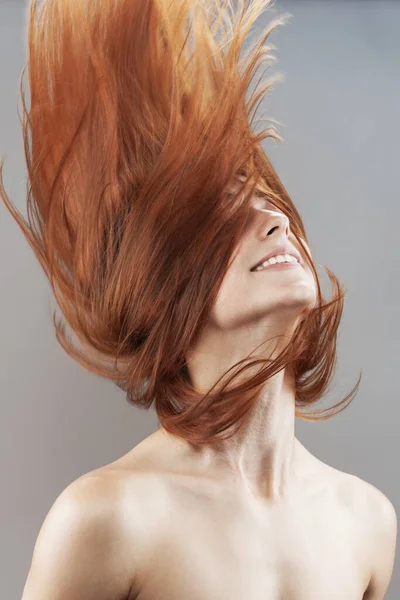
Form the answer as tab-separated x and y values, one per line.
256	516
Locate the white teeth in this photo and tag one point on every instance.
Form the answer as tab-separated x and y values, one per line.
274	259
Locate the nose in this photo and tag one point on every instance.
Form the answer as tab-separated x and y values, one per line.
271	218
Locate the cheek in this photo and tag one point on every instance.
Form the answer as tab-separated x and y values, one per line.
232	299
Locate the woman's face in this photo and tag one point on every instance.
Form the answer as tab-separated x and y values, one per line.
279	295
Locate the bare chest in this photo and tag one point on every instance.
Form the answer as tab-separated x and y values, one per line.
221	548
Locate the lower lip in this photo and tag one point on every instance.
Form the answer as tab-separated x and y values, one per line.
279	266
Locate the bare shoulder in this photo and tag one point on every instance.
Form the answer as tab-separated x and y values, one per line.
376	517
81	548
368	503
374	509
380	522
92	496
375	503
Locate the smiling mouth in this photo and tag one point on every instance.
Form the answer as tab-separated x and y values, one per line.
261	267
283	265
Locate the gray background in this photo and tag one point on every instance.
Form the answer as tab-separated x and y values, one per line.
339	109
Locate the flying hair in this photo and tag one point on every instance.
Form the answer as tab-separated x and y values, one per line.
143	156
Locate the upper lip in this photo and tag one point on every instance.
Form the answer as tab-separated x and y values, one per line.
278	250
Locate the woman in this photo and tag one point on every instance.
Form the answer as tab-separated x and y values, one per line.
182	265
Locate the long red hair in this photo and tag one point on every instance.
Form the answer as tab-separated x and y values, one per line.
137	127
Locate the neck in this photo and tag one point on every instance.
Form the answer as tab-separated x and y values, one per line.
262	455
264	458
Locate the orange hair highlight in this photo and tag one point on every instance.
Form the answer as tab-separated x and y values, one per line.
138	125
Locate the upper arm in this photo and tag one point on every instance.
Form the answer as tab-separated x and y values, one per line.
79	553
383	522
